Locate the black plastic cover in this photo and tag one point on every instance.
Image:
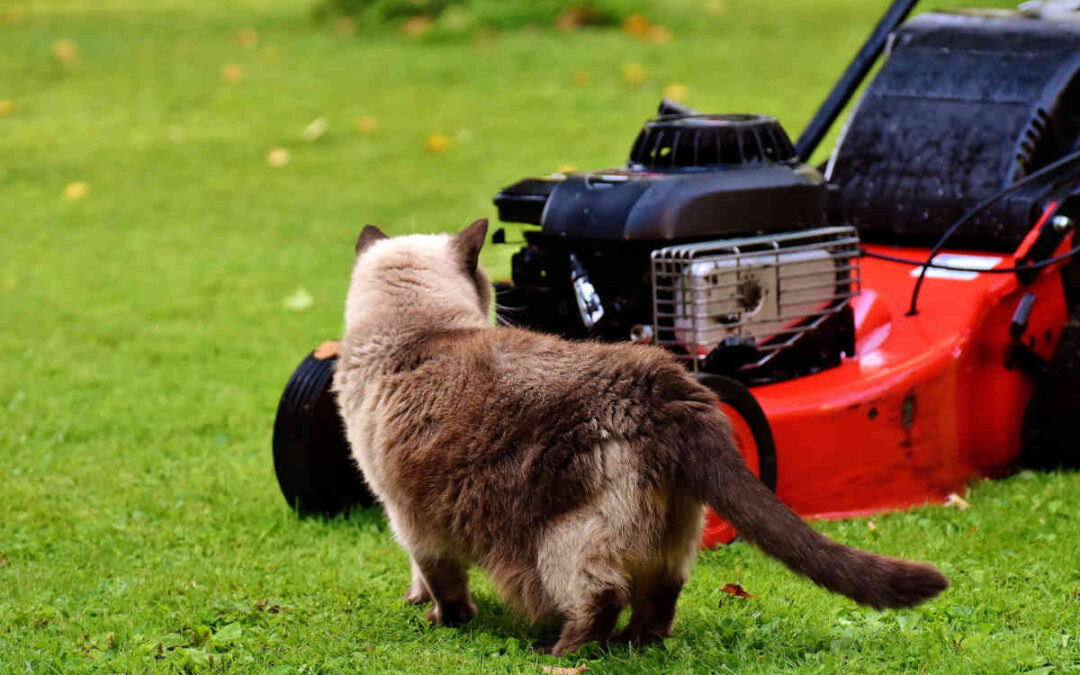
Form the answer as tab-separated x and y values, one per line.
964	105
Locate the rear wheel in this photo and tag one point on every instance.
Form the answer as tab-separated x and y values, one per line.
753	438
312	461
1052	419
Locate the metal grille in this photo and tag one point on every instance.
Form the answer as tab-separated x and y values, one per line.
769	290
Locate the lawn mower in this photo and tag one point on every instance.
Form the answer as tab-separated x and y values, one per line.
881	329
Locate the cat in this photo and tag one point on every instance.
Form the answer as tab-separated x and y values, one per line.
574	473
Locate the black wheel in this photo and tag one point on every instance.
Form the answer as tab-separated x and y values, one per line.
314	467
753	435
1051	431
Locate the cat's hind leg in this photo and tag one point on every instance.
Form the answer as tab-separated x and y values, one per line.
449	586
592	620
653	603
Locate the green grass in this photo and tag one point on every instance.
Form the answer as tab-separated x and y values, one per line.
144	343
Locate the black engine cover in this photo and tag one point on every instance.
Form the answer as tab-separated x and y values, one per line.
964	105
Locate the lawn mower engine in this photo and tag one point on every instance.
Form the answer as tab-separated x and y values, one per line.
712	241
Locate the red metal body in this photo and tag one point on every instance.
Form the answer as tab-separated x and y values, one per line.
926	405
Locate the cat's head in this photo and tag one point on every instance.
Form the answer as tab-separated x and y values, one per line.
434	278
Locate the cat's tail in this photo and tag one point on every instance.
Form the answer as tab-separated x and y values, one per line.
717	473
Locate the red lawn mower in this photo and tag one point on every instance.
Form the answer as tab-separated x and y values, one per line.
881	330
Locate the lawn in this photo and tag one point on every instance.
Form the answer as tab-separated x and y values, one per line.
159	280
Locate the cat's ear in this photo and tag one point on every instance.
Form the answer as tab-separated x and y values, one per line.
368	236
469	242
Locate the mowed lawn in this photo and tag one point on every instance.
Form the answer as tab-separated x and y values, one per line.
150	317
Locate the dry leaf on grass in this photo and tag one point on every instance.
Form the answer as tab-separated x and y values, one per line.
418	26
675	92
76	190
3	560
581	77
65	51
6	107
559	670
299	301
871	526
315	130
246	38
437	143
957	501
736	590
277	158
366	125
231	72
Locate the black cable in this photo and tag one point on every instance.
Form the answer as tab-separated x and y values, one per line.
996	270
1026	180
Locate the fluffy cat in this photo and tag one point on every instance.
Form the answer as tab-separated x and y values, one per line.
573	473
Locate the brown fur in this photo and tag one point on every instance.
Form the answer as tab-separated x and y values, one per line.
573	473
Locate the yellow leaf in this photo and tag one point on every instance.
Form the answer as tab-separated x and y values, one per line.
417	26
12	16
232	72
675	92
437	143
636	25
658	35
6	107
76	190
246	38
567	168
366	125
957	501
344	27
65	51
277	158
633	73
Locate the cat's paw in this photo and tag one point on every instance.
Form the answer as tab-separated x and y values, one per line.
451	613
418	595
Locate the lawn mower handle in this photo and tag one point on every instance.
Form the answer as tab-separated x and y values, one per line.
851	79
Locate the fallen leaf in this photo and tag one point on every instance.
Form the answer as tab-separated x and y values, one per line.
957	501
6	107
581	77
65	51
972	531
12	16
675	92
277	158
574	17
3	560
566	168
232	72
736	590
315	130
633	73
658	35
327	349
418	26
437	143
558	670
76	190
871	526
366	125
344	27
636	25
299	301
246	38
